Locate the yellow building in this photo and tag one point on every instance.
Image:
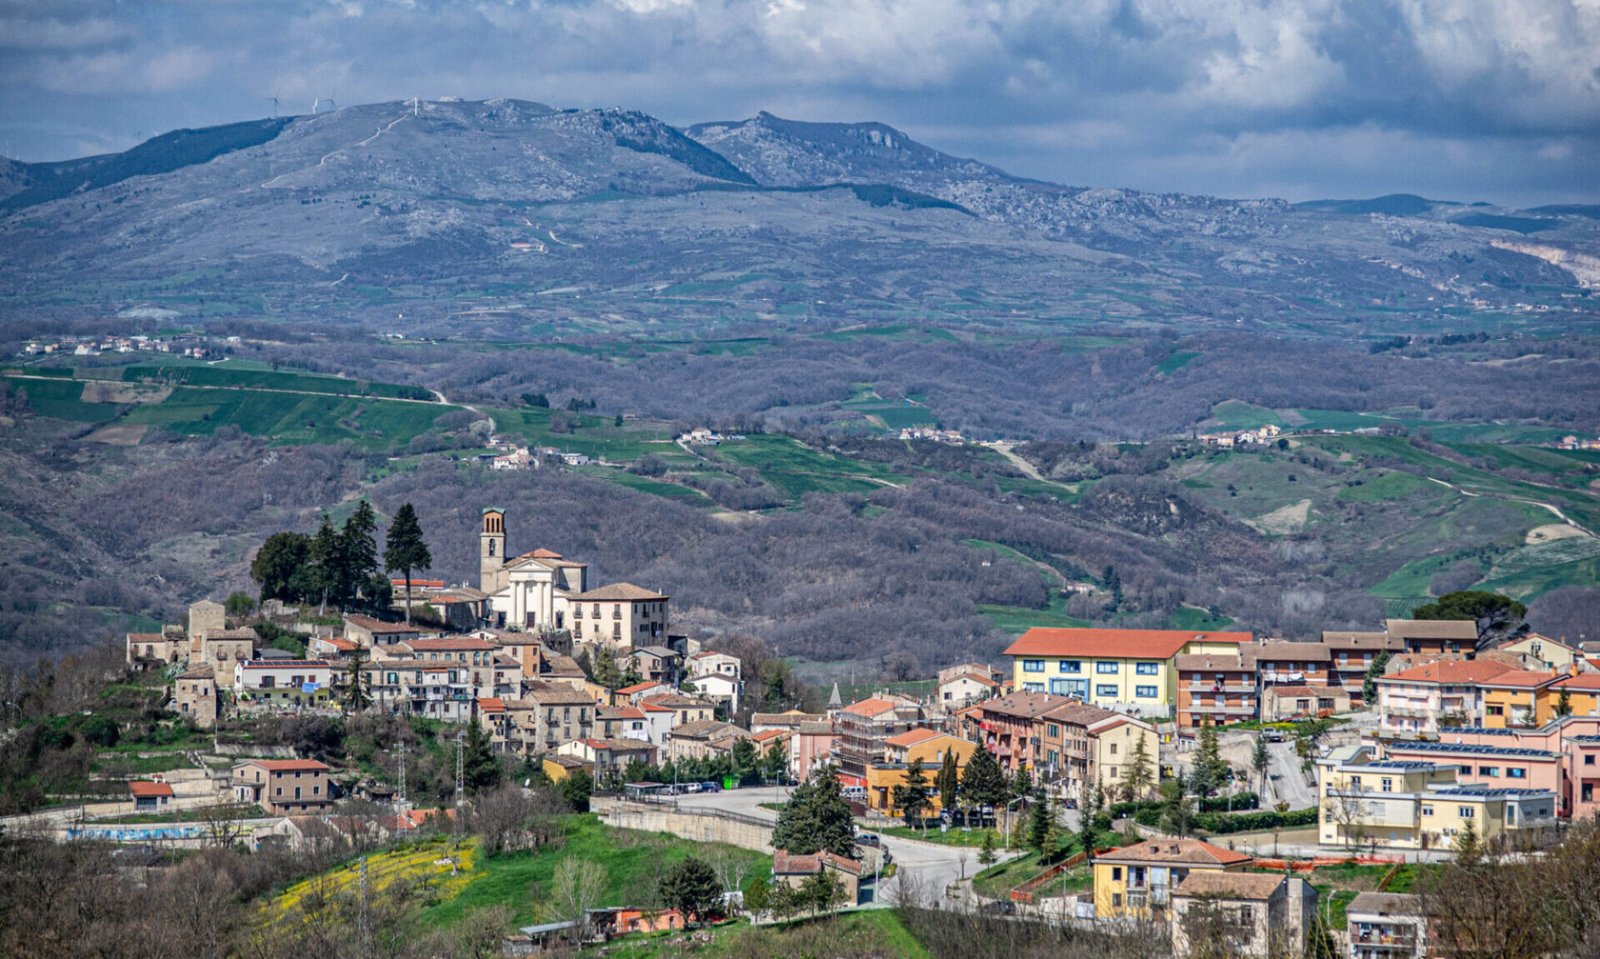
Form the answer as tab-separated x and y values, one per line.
1137	881
1415	805
1583	694
1128	670
900	751
1553	653
1519	698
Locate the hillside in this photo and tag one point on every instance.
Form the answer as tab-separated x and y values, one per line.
503	217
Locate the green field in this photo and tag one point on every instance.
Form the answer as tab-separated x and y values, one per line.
796	469
240	375
865	934
1175	362
62	400
1238	415
291	418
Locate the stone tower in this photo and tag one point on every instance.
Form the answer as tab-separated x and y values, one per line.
492	550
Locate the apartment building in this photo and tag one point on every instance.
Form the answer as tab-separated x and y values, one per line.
1414	804
1010	727
1351	654
620	615
283	787
1255	914
1216	688
1283	703
1519	697
914	745
1281	663
1137	881
547	715
282	681
861	728
1386	925
1127	670
1434	635
1562	755
1417	701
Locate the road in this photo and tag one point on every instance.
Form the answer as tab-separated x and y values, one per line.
1288	782
929	867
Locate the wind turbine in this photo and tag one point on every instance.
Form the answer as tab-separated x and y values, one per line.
274	99
316	104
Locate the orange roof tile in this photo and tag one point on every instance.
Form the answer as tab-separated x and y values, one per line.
1452	671
1580	681
492	704
1523	679
869	707
911	737
1189	851
143	789
1114	643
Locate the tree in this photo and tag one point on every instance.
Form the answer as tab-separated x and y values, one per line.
948	781
356	697
986	848
1369	682
239	605
576	789
691	887
816	817
1261	761
746	762
758	895
983	782
1022	783
1039	821
605	668
912	796
281	565
775	764
404	549
1496	616
1209	772
1469	851
823	891
576	888
480	769
1177	813
325	558
1564	702
1090	808
1140	776
358	550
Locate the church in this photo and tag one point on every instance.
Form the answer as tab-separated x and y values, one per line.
541	592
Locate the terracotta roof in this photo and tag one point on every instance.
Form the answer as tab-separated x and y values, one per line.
143	789
1184	851
453	644
703	729
491	704
869	707
1023	705
1453	671
641	687
1230	885
1114	643
674	701
286	765
561	666
911	737
1385	904
619	745
343	645
1580	681
816	729
1245	661
974	677
786	864
540	553
1523	679
1433	628
379	626
769	734
417	583
555	694
1348	640
1079	714
1292	652
793	717
146	638
617	592
201	671
629	712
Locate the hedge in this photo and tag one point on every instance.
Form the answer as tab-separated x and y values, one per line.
1220	823
1245	800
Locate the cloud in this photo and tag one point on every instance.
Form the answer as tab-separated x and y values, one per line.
1143	88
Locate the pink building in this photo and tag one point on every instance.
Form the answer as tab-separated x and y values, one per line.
1562	757
813	748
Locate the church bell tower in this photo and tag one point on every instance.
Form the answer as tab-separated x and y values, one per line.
492	550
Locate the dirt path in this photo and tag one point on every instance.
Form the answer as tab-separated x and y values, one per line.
1554	510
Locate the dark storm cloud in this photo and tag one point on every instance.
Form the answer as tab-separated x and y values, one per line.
1496	99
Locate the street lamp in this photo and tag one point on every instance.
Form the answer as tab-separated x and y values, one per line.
1008	819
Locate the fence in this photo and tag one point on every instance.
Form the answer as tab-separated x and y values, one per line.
1025	891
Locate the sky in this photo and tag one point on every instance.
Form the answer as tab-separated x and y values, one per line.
1495	100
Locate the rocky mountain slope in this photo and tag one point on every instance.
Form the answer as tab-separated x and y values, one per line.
548	219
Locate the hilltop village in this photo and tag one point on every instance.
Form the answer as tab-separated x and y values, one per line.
1147	776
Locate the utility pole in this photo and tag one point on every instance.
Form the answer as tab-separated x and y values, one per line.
461	779
400	753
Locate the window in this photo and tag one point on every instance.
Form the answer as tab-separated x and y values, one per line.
1113	749
577	611
1465	770
616	630
491	549
1387	785
1033	687
1145	692
1489	771
1495	710
1427	810
1069	666
1147	669
1116	873
1106	691
1116	900
1515	773
1589	760
1107	667
1033	665
1586	792
1053	731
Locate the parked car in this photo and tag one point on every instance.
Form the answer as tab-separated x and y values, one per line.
868	839
710	787
691	787
1273	735
855	792
1000	907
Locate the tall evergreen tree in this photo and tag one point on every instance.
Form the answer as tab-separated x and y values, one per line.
1210	772
280	567
1140	776
1261	761
912	797
949	782
358	544
816	817
355	694
1039	821
1369	682
326	559
1090	808
1022	785
404	549
984	783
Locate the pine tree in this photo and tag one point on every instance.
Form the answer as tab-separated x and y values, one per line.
816	817
358	547
605	668
1090	808
327	564
692	888
355	693
986	848
405	550
1039	820
1139	778
1564	702
912	797
1261	761
1369	682
1022	785
949	781
983	783
1209	769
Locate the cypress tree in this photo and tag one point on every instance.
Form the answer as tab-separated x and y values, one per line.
405	550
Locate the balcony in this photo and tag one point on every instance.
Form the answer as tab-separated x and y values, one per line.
1238	709
1413	712
1401	942
1220	688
